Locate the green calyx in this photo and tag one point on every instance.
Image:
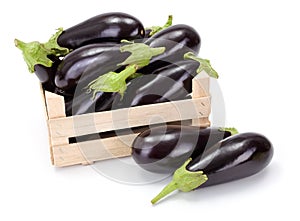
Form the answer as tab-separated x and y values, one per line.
155	29
232	130
37	53
141	53
204	65
112	81
183	180
52	44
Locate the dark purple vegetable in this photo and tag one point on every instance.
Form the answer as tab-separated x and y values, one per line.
178	40
169	83
108	27
233	158
83	103
87	63
163	149
46	76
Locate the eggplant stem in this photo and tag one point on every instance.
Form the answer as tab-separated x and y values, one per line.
172	186
183	180
141	54
204	65
111	81
155	29
37	53
232	130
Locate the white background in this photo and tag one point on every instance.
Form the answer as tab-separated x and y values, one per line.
254	45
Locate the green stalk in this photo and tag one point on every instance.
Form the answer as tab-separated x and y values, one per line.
37	53
34	53
204	65
183	180
155	29
112	81
232	130
141	53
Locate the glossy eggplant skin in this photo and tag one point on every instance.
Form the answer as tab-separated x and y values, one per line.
82	103
46	76
163	149
236	157
178	40
107	27
87	63
169	83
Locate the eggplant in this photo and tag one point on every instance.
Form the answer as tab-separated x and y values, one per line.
83	103
107	27
169	83
163	149
87	63
233	158
178	40
46	75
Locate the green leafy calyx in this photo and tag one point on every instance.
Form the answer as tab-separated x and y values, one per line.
183	180
141	53
204	65
112	81
37	53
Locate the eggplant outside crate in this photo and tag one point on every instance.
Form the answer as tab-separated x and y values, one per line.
62	129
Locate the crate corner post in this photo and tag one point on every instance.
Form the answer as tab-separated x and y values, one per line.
200	88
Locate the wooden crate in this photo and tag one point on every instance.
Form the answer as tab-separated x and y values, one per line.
62	128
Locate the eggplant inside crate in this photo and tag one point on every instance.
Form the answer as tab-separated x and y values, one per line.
84	139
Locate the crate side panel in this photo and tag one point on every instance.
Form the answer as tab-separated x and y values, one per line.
130	117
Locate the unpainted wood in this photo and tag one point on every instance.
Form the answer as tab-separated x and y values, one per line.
47	122
128	118
200	88
55	105
91	151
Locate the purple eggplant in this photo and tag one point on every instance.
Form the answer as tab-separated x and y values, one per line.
178	40
169	83
233	158
107	27
87	63
163	149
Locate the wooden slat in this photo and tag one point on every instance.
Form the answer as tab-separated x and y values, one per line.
95	150
129	117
